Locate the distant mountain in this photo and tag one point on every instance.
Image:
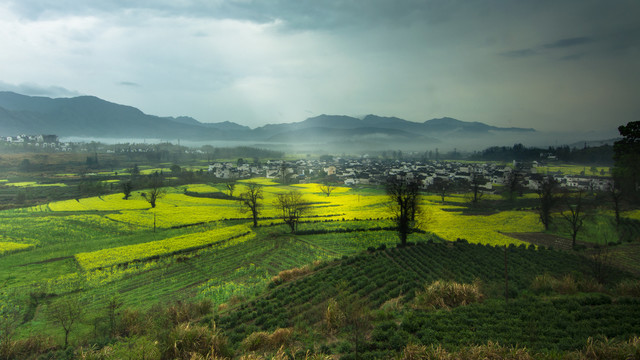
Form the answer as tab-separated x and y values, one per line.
88	116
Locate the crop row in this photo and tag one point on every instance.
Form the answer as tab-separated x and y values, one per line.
153	249
384	275
562	323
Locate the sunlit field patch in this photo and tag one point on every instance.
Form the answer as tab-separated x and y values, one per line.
484	229
201	188
33	184
8	247
261	181
112	202
316	188
141	252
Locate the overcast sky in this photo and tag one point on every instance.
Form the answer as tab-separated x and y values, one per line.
551	65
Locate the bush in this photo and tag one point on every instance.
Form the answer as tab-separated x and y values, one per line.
185	340
447	294
489	351
334	317
263	341
29	347
628	288
291	274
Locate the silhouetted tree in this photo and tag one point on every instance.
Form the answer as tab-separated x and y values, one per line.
155	191
292	207
127	187
513	184
441	186
574	214
250	201
66	312
404	195
616	196
327	187
230	185
547	193
626	156
477	182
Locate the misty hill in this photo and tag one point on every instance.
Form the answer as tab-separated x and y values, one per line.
89	116
92	117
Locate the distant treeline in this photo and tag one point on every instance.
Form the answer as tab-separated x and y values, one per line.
600	155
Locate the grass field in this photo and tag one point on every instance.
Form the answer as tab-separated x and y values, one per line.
203	247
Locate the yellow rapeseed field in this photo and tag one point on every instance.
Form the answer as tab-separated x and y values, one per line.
124	254
6	247
176	208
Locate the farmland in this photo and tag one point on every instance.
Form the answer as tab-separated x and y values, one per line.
197	245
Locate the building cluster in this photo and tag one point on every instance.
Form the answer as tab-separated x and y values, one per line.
366	171
36	140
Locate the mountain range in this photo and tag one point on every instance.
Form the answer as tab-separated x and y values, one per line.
92	117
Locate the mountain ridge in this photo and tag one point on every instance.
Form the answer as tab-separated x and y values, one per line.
90	116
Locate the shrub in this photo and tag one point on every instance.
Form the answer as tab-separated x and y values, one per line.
334	317
29	347
628	288
258	340
291	274
185	340
447	294
280	337
612	350
566	285
480	352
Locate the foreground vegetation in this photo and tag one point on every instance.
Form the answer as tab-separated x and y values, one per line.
191	278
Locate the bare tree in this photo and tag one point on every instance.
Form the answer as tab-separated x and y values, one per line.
250	201
292	207
327	187
66	312
155	191
283	172
513	184
404	195
547	193
616	198
477	183
441	186
574	214
230	185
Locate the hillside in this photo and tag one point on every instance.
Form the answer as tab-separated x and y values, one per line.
193	267
389	280
88	116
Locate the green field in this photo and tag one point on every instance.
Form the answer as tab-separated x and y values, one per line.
196	245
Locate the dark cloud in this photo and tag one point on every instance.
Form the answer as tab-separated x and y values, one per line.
573	57
520	53
564	43
549	48
128	83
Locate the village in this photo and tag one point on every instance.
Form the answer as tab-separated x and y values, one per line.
370	171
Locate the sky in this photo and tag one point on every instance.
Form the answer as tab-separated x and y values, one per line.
554	65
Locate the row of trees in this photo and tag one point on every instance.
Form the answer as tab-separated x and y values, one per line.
404	193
